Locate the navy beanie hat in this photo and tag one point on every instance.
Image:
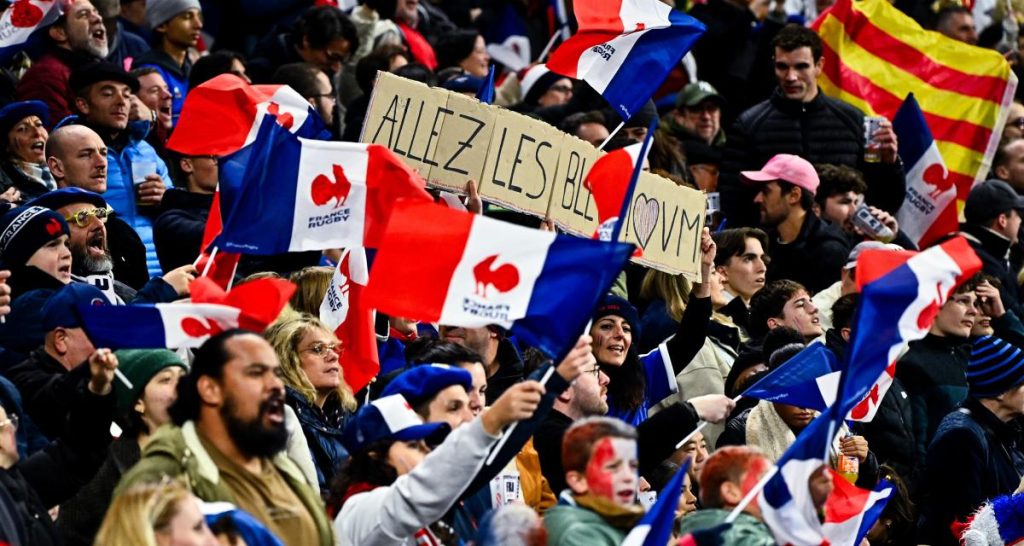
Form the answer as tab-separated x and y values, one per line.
994	367
620	307
24	230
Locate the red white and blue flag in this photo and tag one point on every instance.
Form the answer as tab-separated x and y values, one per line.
900	297
298	194
655	528
436	264
807	380
609	180
253	306
224	115
850	511
788	508
625	49
929	208
22	22
344	311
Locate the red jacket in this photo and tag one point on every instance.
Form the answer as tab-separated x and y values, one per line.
47	80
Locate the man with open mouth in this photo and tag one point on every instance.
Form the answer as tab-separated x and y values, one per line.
89	217
229	437
76	38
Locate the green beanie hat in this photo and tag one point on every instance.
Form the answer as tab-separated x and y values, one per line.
139	366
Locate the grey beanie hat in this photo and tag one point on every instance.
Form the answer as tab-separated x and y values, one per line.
159	12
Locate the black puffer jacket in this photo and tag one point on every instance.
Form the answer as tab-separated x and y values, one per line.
178	231
824	130
49	477
322	429
890	434
994	252
813	259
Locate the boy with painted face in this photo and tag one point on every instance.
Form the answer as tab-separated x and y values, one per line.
599	455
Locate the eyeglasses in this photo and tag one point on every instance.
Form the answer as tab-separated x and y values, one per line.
336	57
83	217
11	420
321	349
329	96
1018	123
596	371
560	88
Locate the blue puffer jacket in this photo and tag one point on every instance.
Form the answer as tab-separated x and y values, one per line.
322	428
120	194
176	76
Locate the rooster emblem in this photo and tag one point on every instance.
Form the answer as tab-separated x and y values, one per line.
503	278
53	227
195	327
25	15
324	189
938	176
283	119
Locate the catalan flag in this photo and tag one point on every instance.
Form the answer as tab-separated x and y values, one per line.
874	56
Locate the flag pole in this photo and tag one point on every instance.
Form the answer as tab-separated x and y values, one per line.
610	135
637	169
751	494
551	43
209	262
508	432
700	426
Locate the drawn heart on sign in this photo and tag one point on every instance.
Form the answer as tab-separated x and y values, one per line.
645	217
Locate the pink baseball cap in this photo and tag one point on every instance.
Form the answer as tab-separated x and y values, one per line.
793	169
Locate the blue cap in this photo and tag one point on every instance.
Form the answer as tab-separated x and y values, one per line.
61	310
464	83
63	197
423	382
387	418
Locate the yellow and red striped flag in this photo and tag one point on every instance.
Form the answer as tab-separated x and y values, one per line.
874	55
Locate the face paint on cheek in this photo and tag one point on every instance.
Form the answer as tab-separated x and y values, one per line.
611	472
599	481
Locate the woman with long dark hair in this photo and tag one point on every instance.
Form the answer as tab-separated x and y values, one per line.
640	381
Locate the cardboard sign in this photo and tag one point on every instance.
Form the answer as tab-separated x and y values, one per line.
529	166
461	153
665	221
572	208
520	169
407	117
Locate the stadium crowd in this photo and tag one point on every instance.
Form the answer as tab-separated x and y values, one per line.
255	437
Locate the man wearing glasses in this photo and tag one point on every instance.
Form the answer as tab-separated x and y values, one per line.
90	219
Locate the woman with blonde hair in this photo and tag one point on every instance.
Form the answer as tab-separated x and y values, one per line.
316	388
311	285
706	372
161	514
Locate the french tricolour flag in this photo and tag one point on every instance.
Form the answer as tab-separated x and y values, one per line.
298	194
929	208
786	503
344	311
850	511
807	380
22	21
625	49
224	114
900	297
788	508
655	528
252	306
609	181
437	264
